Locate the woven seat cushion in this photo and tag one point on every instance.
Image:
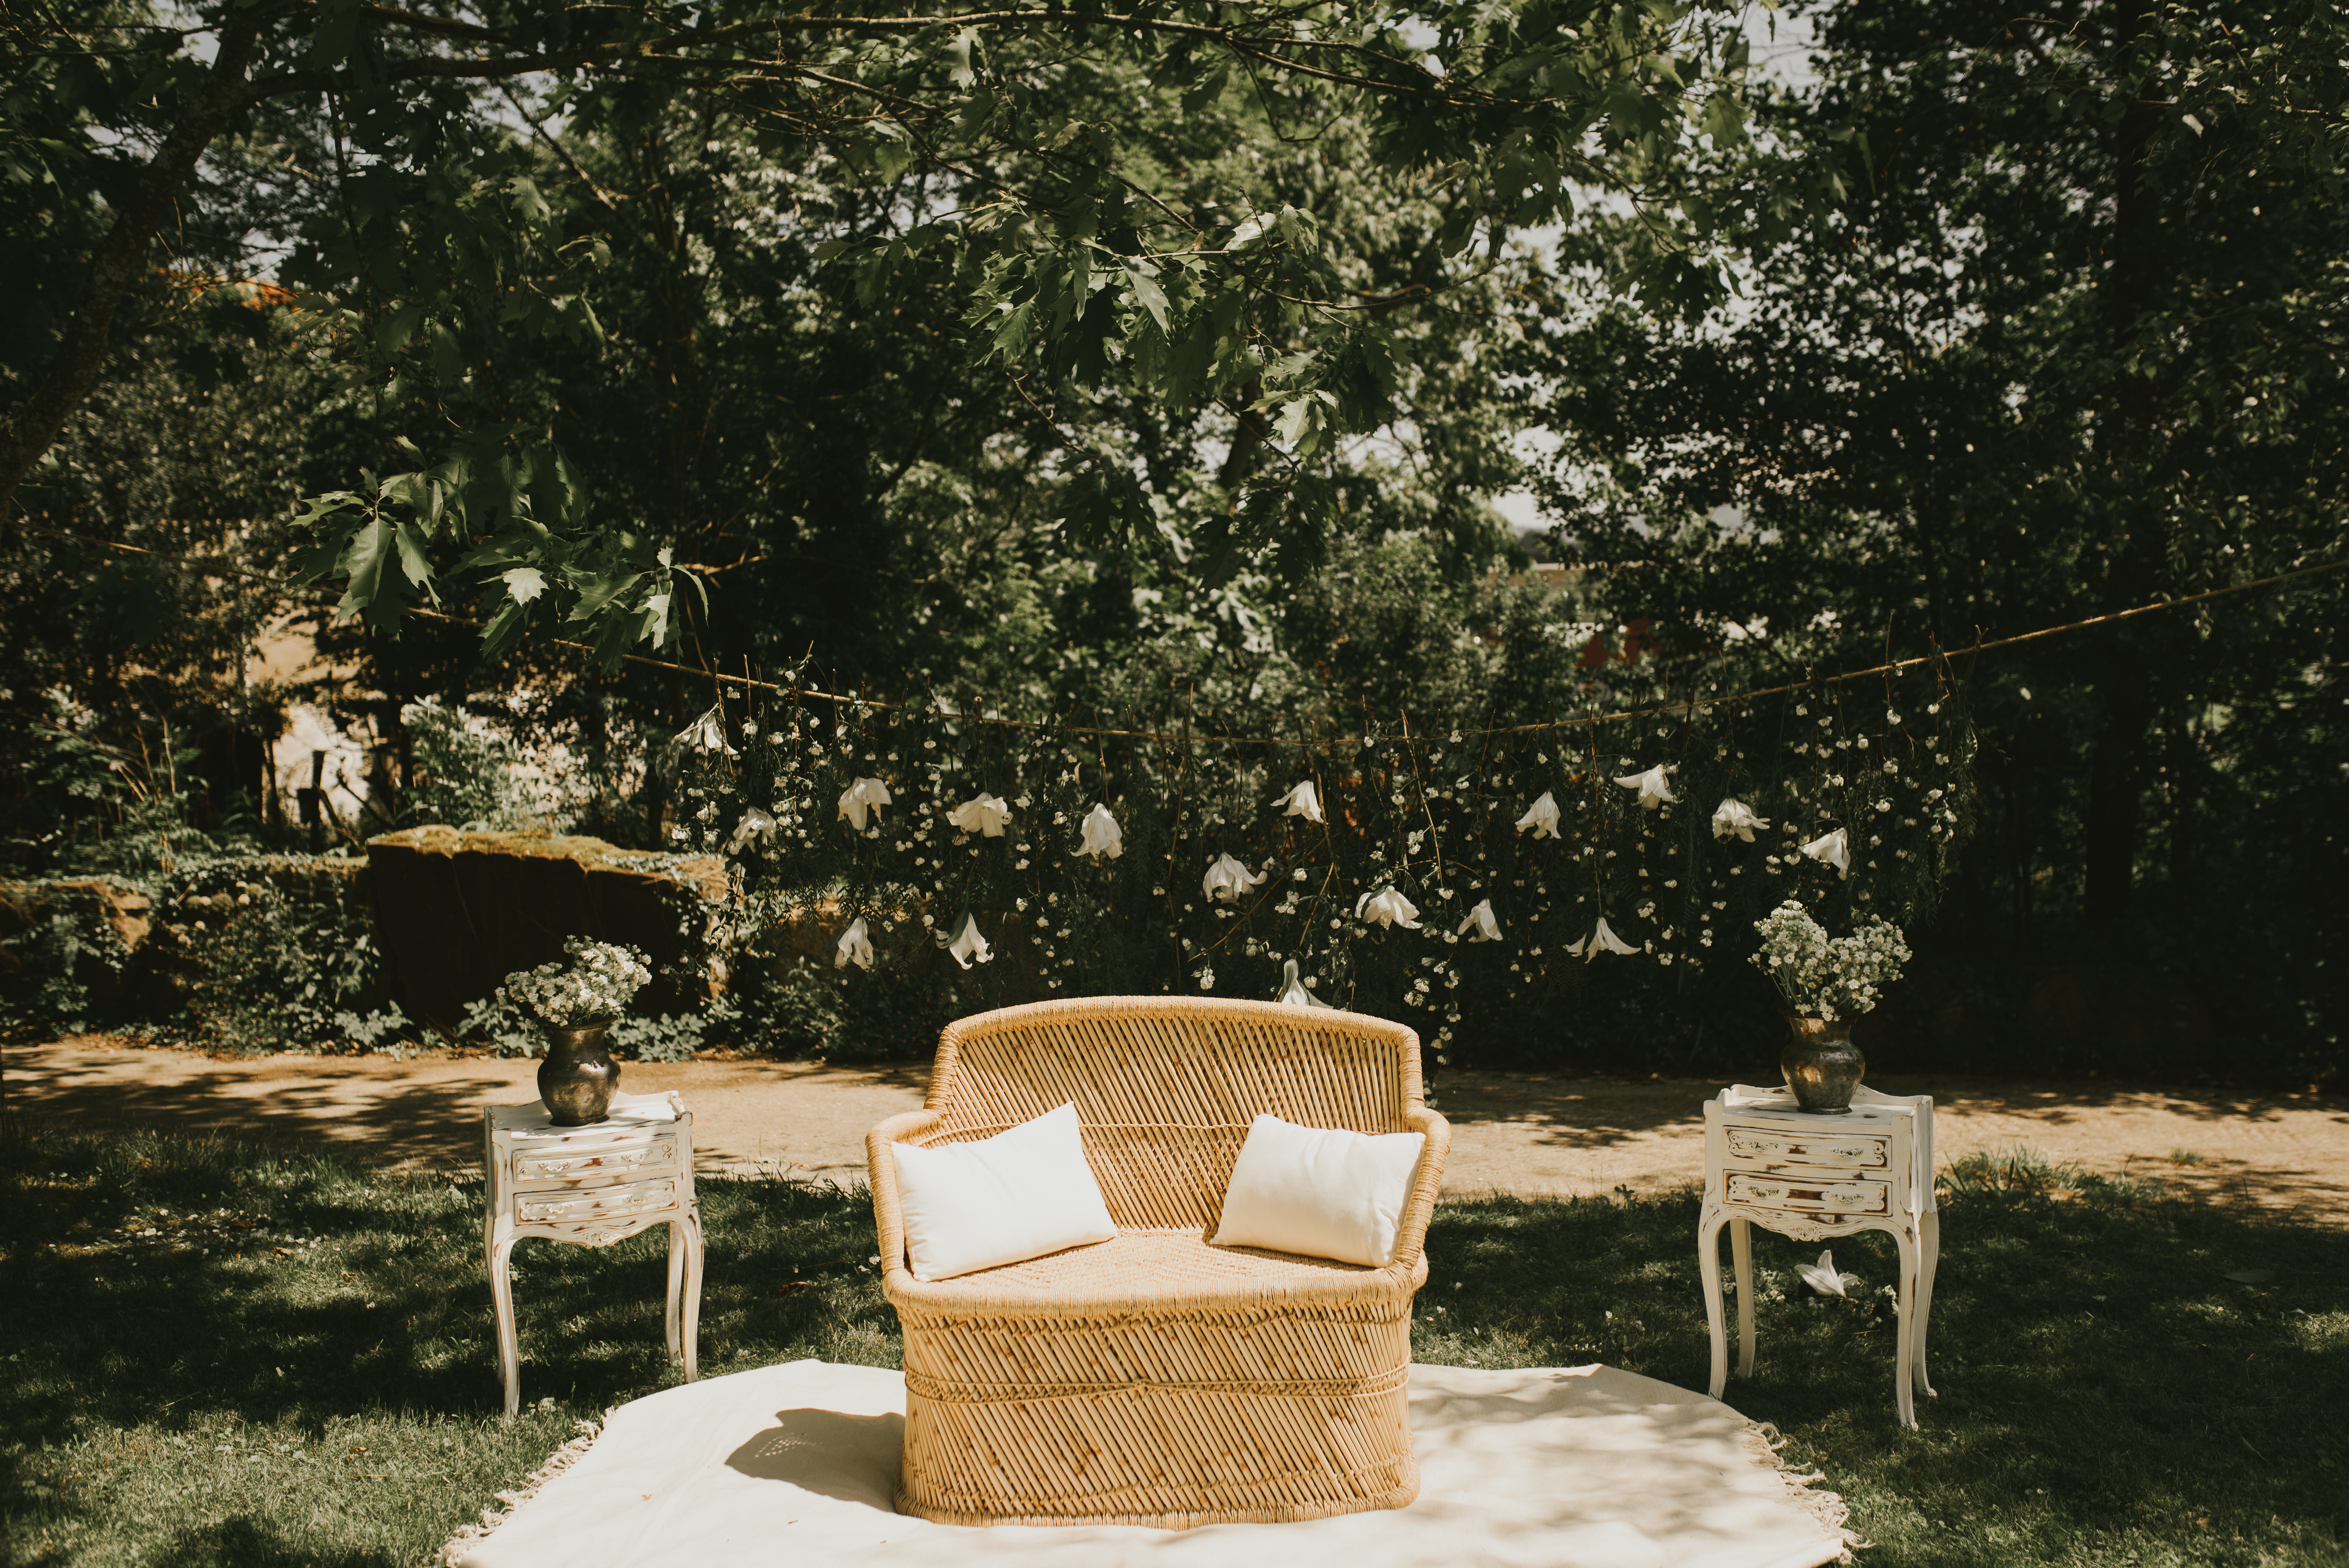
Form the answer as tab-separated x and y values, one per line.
1143	1271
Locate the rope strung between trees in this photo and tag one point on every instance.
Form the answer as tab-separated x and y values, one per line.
1937	656
1893	668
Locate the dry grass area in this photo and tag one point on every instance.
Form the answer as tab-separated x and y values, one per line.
1529	1135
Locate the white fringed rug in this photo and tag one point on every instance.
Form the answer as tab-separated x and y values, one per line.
794	1465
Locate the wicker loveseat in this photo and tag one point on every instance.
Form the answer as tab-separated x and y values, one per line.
1154	1379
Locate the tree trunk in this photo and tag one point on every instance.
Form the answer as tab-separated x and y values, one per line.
121	255
2123	675
2112	826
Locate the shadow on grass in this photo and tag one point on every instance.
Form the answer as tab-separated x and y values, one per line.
252	1542
2107	1393
197	1318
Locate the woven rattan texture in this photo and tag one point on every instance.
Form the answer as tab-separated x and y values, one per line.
1154	1379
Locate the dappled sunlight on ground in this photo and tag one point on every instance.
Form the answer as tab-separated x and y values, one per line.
1514	1132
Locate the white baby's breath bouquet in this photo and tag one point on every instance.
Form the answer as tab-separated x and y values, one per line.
1823	976
594	984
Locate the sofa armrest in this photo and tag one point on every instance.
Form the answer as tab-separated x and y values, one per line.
1426	1185
881	1171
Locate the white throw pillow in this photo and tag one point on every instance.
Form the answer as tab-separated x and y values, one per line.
1000	1200
1323	1192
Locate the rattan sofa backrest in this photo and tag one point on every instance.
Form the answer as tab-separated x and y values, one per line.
1165	1087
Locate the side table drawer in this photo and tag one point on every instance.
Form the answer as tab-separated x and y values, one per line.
1802	1195
657	1157
603	1204
1776	1146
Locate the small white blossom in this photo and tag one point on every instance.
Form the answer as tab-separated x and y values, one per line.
1293	991
1829	979
706	734
1102	836
1227	879
969	944
1652	790
1387	908
755	824
855	947
1737	817
594	986
1601	940
860	798
1822	1276
1485	925
1832	850
1304	801
1541	817
981	814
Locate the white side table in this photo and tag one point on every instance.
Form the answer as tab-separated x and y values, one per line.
592	1186
1819	1178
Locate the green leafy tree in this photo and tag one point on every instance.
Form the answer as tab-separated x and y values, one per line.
444	246
2073	346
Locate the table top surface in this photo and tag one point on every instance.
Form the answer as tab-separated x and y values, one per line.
630	1113
1744	1099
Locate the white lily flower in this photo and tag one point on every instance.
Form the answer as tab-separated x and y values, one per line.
968	944
1227	879
706	734
1102	835
859	798
1292	990
1653	791
1602	940
1737	817
1486	925
1304	801
1542	817
1387	908
982	814
755	824
1822	1276
855	947
1832	850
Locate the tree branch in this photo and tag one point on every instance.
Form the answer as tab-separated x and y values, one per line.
121	255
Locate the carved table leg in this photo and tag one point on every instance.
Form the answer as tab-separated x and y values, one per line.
1741	1257
1903	1378
675	1303
1929	1233
692	1292
1708	1263
501	1258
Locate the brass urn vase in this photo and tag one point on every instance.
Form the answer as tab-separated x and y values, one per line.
577	1079
1821	1064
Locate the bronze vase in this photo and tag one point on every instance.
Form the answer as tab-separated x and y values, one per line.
1822	1065
577	1079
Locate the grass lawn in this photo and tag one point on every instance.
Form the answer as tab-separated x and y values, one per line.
221	1354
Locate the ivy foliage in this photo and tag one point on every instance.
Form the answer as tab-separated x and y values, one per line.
241	953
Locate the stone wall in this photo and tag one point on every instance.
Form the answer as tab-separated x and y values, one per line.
457	912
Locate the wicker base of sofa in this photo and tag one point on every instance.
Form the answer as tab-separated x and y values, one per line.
1171	1459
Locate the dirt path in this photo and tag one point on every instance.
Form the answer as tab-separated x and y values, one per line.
1519	1133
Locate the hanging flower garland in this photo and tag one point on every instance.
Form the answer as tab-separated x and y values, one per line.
1066	861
